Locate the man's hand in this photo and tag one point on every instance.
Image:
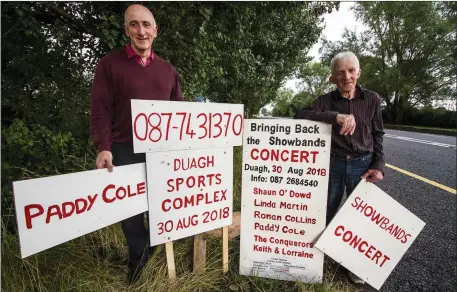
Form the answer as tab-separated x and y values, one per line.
373	175
104	160
347	123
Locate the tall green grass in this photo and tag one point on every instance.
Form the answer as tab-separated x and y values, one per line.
97	262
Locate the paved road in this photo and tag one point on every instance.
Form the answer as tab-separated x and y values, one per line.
431	262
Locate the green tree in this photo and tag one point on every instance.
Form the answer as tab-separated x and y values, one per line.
313	78
282	104
313	82
258	53
407	54
223	51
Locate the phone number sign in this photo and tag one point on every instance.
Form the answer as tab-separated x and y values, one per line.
174	125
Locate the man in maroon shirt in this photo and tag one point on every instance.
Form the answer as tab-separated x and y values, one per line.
357	132
133	72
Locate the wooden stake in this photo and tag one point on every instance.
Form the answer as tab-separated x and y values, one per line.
225	249
170	260
199	252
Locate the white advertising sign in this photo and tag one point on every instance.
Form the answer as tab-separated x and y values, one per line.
370	234
175	125
53	210
284	198
190	192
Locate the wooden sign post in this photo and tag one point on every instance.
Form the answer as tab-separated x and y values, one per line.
225	249
199	252
170	260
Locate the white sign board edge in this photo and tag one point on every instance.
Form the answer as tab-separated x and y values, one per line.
201	125
359	224
55	190
319	202
164	169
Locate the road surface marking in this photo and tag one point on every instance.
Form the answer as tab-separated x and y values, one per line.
420	141
443	187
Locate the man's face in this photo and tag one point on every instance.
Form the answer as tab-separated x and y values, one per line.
345	75
140	28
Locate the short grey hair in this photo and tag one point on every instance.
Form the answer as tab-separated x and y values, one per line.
344	56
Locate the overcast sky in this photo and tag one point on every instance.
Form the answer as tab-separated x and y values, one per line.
335	23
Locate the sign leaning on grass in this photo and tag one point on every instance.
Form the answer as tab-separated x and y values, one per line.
174	125
284	196
53	210
192	192
370	234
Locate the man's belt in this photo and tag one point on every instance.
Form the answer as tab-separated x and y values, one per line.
350	156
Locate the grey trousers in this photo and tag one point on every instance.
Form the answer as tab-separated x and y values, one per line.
135	231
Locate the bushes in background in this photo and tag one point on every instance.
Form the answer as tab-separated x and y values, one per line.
429	117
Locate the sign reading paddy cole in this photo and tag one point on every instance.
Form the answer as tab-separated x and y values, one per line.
284	197
53	210
370	234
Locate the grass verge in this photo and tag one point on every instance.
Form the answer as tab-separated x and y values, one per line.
429	130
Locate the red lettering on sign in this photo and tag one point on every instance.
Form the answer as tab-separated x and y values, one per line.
141	188
215	122
65	212
29	216
51	213
190	163
193	200
283	155
129	192
191	221
166	209
79	209
358	244
363	250
377	255
201	180
194	182
121	192
382	221
218	179
105	191
91	201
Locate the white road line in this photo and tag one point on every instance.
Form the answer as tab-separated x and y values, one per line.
420	141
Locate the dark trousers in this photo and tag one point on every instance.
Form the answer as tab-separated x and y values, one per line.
345	173
135	232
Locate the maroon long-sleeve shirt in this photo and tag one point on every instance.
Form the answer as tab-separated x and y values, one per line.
118	79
